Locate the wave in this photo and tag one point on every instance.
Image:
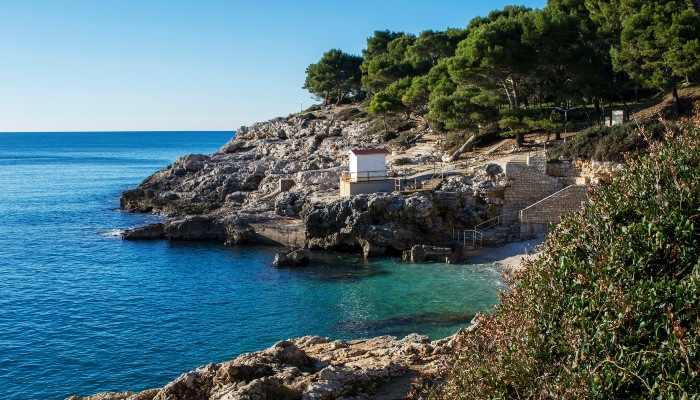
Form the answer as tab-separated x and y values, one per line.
112	233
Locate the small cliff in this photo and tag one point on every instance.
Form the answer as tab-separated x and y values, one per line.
284	173
309	367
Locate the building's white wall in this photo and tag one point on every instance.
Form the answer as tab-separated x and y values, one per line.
367	166
371	162
353	162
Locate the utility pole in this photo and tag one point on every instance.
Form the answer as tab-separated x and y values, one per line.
565	117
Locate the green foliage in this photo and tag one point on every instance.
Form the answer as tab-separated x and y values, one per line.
569	61
384	102
511	67
457	111
611	306
386	60
401	161
602	143
659	42
655	42
494	56
336	76
430	47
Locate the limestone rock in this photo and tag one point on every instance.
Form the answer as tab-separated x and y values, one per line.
422	253
153	231
217	197
309	367
292	258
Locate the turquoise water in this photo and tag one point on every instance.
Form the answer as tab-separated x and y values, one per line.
83	312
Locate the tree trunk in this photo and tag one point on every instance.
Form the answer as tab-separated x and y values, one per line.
341	95
596	106
520	139
463	148
504	84
516	94
676	101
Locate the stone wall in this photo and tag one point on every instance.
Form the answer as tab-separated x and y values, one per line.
352	188
529	184
535	218
561	169
288	233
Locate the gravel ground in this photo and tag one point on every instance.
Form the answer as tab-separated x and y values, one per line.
510	255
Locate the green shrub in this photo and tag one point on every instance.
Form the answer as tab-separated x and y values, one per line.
611	307
404	139
350	113
602	143
401	161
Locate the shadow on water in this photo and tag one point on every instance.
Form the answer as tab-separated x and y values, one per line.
340	272
403	325
335	267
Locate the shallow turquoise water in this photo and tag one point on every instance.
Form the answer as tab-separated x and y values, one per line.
82	311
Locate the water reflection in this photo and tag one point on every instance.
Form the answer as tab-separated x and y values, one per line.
402	325
338	268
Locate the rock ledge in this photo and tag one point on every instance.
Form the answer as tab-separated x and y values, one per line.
309	367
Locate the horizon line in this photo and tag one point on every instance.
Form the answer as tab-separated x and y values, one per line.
122	131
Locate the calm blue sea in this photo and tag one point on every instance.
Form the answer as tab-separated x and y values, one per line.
82	312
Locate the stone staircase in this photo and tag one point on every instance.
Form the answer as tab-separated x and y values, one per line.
426	145
424	181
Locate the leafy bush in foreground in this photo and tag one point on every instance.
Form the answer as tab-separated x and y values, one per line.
611	308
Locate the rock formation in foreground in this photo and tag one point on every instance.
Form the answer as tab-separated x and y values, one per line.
309	367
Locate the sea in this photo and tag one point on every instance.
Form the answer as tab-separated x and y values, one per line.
82	311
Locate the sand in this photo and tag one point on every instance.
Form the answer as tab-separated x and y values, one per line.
509	256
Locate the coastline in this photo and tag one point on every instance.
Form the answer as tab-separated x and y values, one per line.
510	256
276	182
313	367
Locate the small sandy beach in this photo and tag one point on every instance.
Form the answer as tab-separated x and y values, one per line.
509	256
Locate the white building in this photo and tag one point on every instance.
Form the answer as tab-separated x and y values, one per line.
367	173
368	164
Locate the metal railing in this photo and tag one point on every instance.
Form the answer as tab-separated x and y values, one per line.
465	235
495	221
414	185
364	176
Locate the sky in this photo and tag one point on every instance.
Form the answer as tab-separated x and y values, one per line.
139	65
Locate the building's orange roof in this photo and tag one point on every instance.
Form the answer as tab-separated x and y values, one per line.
369	151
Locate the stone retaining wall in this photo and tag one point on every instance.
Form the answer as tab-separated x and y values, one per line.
288	233
530	184
534	219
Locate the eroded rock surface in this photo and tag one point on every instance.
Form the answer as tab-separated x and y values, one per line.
309	367
287	171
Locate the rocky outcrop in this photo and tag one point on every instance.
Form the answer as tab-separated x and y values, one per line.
286	172
250	166
422	253
309	367
381	221
292	258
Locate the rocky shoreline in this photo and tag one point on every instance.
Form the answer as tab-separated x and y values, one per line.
283	175
309	367
277	182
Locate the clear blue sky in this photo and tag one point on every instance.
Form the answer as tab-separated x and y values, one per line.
83	65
